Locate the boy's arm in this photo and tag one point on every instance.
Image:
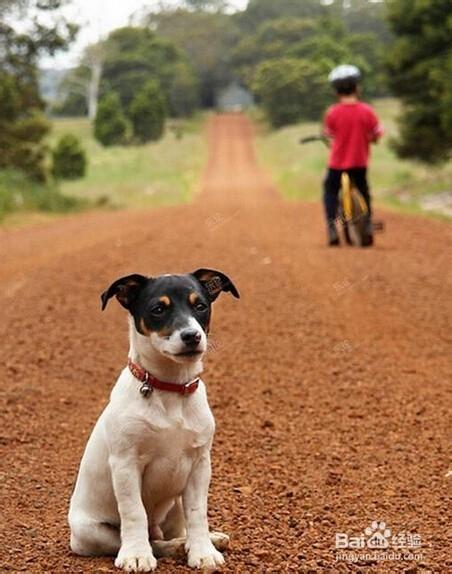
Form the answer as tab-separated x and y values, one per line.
328	125
375	127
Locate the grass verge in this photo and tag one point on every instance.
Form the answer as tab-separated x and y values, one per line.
19	194
138	176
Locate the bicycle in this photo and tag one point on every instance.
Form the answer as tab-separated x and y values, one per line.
353	210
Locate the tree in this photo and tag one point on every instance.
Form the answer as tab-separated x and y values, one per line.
110	124
136	55
272	39
69	158
147	113
93	59
22	128
291	89
420	72
332	44
363	17
22	124
310	47
259	11
79	91
207	38
183	97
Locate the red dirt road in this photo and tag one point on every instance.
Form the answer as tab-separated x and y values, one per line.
329	379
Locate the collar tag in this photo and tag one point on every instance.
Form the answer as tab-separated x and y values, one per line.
146	389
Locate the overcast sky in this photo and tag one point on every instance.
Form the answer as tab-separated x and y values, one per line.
97	17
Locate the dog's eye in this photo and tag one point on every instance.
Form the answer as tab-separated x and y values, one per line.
158	310
200	306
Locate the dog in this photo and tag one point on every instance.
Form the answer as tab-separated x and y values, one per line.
145	472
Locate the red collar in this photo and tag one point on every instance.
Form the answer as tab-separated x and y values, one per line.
150	382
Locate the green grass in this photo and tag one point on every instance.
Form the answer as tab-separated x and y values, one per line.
160	173
20	195
298	169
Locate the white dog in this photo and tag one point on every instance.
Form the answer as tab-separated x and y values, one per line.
145	472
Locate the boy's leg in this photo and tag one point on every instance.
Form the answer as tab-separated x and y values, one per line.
359	176
331	186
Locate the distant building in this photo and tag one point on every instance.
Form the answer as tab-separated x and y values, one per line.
234	98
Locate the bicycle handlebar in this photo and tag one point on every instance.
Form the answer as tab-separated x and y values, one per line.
316	138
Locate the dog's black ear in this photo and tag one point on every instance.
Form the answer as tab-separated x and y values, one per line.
215	282
126	290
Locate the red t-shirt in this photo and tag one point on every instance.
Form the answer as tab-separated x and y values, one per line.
352	127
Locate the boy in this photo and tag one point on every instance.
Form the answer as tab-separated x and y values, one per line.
352	125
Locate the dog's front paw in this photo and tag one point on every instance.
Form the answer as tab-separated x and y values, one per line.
204	556
136	560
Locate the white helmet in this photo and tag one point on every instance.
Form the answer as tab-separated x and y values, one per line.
345	72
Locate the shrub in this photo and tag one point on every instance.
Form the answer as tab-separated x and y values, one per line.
110	124
18	192
147	113
69	159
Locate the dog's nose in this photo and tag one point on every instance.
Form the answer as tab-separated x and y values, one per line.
191	337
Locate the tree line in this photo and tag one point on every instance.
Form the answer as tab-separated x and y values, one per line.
279	51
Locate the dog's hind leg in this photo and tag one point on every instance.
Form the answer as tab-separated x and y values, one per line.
92	538
174	523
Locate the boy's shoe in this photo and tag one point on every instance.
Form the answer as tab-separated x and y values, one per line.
368	236
333	236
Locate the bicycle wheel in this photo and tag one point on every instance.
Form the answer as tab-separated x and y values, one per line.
354	213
